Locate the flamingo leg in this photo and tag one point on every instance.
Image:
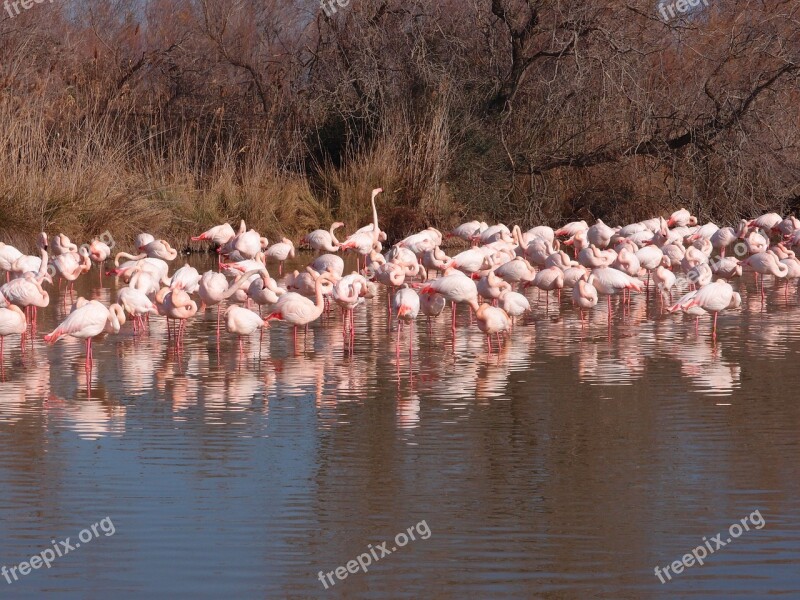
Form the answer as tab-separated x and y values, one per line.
714	329
411	341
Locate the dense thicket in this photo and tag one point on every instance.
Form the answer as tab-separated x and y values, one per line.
172	115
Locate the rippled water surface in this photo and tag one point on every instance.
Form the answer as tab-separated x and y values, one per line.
569	465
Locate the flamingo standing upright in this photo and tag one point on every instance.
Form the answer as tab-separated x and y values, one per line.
765	263
454	286
515	304
244	322
26	292
491	320
136	303
364	242
281	251
70	265
87	321
12	322
584	294
610	282
348	293
321	241
297	310
8	255
177	305
406	303
713	298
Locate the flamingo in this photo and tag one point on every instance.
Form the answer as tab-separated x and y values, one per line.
142	240
665	281
243	322
600	234
328	263
364	242
26	292
767	221
454	286
432	305
297	310
12	322
549	280
186	278
491	287
584	294
213	288
491	320
713	298
609	282
515	304
32	264
177	305
517	271
136	304
407	304
87	321
765	263
8	255
159	249
681	218
219	235
61	244
323	241
570	229
281	251
348	293
71	265
468	231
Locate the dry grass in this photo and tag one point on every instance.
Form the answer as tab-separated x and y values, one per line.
85	180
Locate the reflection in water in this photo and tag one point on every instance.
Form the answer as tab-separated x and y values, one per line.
570	460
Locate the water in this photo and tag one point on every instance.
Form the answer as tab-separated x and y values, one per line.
568	465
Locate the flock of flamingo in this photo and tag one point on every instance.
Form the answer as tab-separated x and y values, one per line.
490	277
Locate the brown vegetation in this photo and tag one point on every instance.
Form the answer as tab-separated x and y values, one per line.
174	115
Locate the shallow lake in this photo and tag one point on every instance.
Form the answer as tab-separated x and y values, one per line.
568	465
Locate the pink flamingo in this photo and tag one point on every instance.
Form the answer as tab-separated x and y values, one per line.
8	255
243	322
407	304
70	266
12	322
515	304
610	282
765	263
26	292
454	286
584	294
136	304
220	235
297	310
348	293
491	320
177	305
323	241
364	242
281	252
713	298
549	280
89	320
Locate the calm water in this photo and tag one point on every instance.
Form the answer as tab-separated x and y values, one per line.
567	466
